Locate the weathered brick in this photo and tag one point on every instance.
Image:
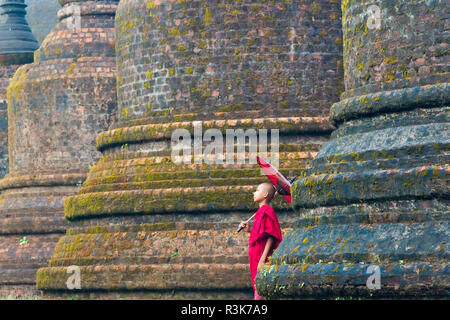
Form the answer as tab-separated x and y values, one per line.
231	65
57	106
377	192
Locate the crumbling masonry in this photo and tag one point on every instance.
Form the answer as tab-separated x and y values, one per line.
57	105
375	200
145	227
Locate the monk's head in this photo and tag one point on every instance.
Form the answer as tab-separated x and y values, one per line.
264	192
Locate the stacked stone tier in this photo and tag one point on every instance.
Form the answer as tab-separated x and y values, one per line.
329	252
159	257
31	222
185	215
129	178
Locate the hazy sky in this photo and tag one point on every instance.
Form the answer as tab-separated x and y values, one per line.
41	16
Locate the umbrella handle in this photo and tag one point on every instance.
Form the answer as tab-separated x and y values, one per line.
248	220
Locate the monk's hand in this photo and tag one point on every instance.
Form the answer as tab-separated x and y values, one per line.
244	225
260	265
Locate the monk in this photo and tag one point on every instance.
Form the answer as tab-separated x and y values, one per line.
265	235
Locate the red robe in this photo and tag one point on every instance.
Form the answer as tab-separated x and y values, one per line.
265	225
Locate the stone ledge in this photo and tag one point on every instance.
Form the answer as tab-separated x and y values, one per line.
330	280
89	8
150	277
353	187
428	96
33	225
164	131
133	202
12	181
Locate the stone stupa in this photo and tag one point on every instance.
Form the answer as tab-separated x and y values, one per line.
57	105
17	45
373	210
146	227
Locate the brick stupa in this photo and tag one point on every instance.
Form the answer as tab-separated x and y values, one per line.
57	105
373	209
17	45
145	227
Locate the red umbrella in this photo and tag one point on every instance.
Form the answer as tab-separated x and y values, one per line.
280	182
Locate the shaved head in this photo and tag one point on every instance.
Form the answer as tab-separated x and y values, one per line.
269	188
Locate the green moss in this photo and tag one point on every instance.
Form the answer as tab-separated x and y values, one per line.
284	105
207	18
70	69
391	60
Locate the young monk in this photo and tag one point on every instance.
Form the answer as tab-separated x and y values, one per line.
265	235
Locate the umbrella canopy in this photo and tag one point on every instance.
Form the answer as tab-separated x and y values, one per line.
280	182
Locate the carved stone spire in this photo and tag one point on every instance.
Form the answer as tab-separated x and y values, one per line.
15	33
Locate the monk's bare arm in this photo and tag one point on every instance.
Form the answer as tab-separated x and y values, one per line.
269	244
